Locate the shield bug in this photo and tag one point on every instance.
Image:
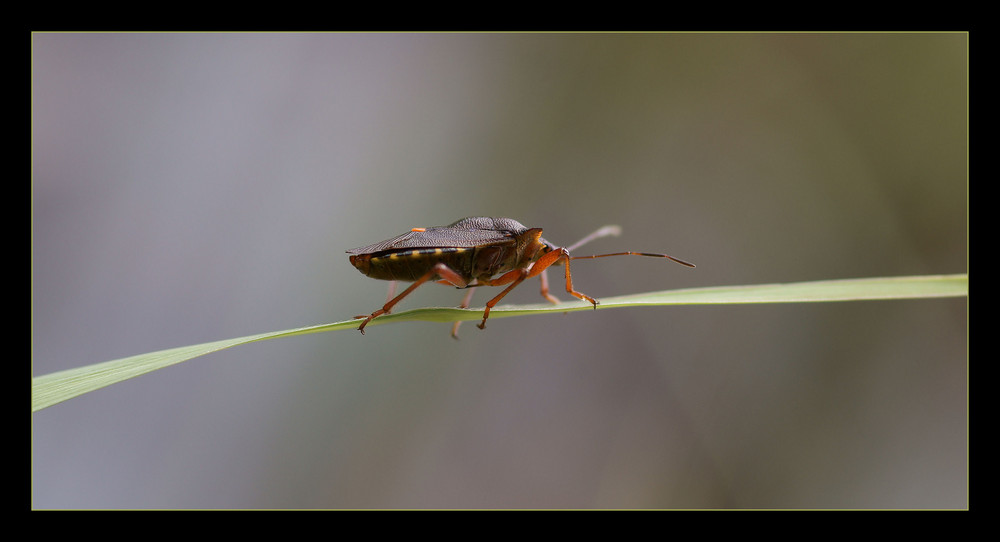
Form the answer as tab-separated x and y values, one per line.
475	251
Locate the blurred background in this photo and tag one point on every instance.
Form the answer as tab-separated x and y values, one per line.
194	187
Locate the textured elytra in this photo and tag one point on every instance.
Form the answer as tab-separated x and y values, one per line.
465	233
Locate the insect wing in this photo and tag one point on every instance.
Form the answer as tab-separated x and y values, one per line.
437	237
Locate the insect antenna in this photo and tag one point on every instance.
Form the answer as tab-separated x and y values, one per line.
616	231
682	262
602	232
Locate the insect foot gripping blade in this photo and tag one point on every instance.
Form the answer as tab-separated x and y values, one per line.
439	269
471	252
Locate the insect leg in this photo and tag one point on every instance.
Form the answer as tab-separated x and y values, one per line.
601	232
551	258
439	269
392	291
518	276
544	277
465	304
514	277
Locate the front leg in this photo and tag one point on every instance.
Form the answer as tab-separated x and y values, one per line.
544	278
549	259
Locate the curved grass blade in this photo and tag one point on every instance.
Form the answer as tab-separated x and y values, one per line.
57	387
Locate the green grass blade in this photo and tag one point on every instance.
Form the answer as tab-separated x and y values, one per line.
57	387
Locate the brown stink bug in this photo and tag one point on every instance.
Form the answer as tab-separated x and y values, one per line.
470	253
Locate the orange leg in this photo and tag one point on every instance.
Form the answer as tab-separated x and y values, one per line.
518	276
514	277
439	269
465	304
569	283
544	277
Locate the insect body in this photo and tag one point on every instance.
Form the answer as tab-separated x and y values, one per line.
476	251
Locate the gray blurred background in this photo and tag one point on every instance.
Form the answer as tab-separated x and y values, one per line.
194	187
